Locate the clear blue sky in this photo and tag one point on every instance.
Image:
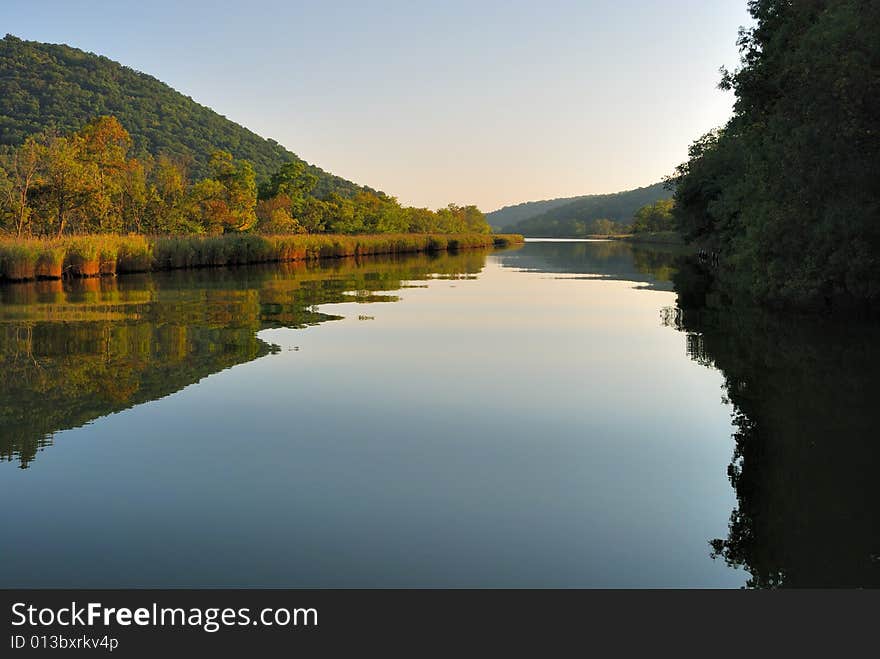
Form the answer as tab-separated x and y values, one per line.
490	103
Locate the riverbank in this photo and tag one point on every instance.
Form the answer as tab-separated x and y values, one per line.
648	237
106	254
655	238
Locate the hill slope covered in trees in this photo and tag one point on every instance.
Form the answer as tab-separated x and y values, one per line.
88	146
510	215
575	218
52	86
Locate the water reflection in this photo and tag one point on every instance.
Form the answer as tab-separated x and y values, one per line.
650	265
806	457
532	428
74	351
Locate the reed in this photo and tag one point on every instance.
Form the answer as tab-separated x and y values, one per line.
50	260
135	254
18	260
83	257
94	255
108	253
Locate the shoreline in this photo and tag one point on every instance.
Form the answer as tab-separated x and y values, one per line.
648	238
97	255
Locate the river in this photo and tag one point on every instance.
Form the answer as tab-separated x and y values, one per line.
548	416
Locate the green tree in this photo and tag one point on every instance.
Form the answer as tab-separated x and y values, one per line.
654	217
66	185
787	190
604	227
102	149
87	181
420	220
227	201
167	197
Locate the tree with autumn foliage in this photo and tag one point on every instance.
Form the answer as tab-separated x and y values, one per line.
88	182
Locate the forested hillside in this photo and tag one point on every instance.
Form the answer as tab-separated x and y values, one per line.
510	215
787	191
90	146
577	217
51	86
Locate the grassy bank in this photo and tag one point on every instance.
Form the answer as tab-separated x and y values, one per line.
96	255
655	238
648	237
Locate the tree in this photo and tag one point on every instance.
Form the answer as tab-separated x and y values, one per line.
786	191
55	87
420	220
19	177
316	213
337	215
462	219
292	180
654	217
604	227
103	146
273	216
67	185
227	201
166	198
135	195
87	181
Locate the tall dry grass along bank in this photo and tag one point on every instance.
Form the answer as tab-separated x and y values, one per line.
96	255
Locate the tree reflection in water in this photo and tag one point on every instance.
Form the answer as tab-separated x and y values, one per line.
74	351
807	456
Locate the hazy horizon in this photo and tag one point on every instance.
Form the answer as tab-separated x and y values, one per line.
494	105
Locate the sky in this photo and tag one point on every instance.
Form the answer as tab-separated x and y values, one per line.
489	103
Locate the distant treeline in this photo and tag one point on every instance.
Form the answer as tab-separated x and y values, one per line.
578	216
650	218
788	190
510	215
87	182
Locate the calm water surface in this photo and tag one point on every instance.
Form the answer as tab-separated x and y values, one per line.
544	417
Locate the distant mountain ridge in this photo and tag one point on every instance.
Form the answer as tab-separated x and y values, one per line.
510	215
571	217
54	86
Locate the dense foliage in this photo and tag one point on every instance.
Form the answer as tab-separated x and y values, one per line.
86	182
787	190
578	217
55	87
654	217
